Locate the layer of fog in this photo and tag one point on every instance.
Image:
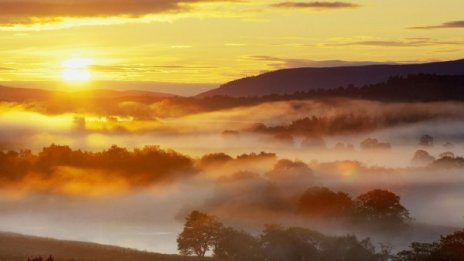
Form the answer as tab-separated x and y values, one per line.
151	217
196	134
144	219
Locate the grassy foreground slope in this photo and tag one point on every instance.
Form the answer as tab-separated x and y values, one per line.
15	247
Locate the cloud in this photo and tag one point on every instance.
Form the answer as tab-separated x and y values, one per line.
49	11
452	24
279	63
315	5
408	42
146	68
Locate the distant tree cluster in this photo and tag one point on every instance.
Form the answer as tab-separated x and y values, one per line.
448	162
144	165
426	141
445	160
316	127
222	158
204	234
379	208
371	143
422	157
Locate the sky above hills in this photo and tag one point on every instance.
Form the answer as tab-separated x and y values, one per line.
212	42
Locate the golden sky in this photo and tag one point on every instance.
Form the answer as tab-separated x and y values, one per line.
214	41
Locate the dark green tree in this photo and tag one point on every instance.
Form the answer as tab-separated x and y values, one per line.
237	245
280	244
381	207
418	252
449	248
200	234
348	248
426	141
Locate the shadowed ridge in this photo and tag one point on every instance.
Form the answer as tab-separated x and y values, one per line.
288	81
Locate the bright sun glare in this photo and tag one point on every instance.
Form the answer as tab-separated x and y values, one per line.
77	70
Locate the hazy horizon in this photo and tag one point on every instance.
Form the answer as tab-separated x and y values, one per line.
275	130
182	89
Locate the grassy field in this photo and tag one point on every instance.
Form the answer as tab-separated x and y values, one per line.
14	247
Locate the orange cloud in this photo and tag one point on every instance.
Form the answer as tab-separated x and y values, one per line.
32	11
315	5
452	24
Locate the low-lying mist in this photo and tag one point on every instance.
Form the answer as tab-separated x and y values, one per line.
247	191
247	165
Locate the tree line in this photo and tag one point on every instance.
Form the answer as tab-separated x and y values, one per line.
147	164
204	235
376	208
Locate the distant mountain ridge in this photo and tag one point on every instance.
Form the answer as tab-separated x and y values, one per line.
289	81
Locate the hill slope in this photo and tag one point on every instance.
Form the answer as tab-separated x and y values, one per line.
289	81
15	247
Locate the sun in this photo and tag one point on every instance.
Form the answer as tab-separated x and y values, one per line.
76	70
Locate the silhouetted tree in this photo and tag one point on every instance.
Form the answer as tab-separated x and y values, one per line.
371	143
426	141
448	163
418	252
381	207
449	248
446	154
280	244
214	159
237	245
422	157
295	243
200	234
287	170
